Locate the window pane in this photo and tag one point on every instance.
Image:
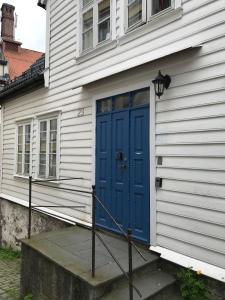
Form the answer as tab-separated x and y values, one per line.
85	2
52	171
20	130
27	147
88	30
20	135
27	158
27	138
122	101
53	136
104	105
140	97
104	31
42	169
42	159
88	20
19	158
134	12
103	10
42	164
159	5
88	40
19	168
27	129
53	124
43	126
52	148
20	148
26	169
43	147
52	165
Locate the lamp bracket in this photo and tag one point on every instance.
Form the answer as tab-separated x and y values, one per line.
167	81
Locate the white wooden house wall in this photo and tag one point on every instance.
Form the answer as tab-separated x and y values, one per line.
189	119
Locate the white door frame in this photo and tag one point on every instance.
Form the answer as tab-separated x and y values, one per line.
120	90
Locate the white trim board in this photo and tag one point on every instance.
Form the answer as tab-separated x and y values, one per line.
120	89
47	211
141	60
197	265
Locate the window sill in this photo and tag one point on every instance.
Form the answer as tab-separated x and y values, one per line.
54	181
101	48
157	21
17	176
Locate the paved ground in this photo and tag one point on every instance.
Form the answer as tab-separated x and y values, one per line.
9	279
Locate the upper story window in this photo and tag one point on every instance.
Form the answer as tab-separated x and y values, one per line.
138	10
95	23
159	5
23	155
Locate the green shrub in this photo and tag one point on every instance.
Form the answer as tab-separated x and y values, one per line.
28	297
192	285
9	254
14	295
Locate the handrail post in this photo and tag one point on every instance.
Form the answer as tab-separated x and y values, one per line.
30	207
93	228
130	258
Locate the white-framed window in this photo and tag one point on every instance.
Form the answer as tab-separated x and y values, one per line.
23	150
95	23
138	12
159	6
48	153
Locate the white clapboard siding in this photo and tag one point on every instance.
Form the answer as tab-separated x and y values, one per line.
75	145
189	128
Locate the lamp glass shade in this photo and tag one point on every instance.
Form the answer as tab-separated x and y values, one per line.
159	84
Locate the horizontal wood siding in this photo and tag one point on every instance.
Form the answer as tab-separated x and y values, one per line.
75	149
190	120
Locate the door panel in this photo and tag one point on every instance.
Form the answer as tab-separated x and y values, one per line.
139	173
120	168
103	170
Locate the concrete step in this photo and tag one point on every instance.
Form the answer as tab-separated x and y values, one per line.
153	285
62	261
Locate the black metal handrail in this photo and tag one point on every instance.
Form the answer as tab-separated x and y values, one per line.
37	207
120	228
128	239
128	236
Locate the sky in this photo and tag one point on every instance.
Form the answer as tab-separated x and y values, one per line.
30	23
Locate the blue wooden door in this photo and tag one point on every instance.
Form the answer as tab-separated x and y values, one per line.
139	173
122	168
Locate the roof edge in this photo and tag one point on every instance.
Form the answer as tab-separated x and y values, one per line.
24	87
32	76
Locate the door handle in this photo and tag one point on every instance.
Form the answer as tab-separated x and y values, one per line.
119	155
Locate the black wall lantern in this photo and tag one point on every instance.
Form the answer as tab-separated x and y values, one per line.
161	82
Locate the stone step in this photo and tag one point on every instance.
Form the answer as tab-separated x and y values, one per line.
155	285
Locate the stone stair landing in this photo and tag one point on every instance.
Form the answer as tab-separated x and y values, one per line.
57	265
